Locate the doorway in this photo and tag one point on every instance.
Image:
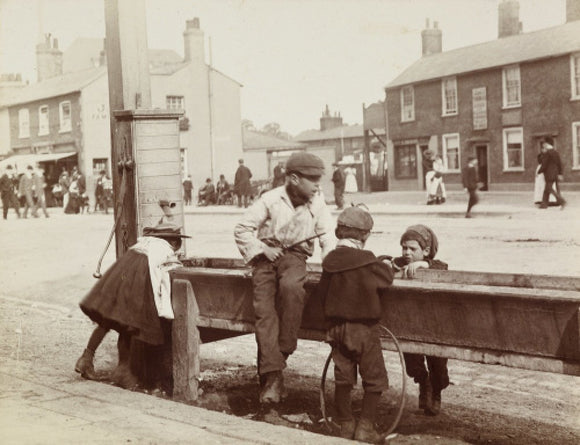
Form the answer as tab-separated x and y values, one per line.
481	154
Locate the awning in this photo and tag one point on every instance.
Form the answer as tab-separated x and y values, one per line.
20	162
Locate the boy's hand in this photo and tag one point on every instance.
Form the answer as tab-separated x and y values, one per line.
410	269
272	253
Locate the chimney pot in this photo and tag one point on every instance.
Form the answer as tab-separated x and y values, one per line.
435	25
55	43
426	23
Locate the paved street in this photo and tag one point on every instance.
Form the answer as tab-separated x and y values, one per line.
47	266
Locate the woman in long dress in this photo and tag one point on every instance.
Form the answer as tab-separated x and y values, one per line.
350	185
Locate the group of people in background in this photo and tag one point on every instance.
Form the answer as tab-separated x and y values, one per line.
72	190
26	191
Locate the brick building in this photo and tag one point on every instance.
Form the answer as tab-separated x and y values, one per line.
63	119
496	100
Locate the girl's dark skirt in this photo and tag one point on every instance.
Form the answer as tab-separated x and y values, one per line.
123	300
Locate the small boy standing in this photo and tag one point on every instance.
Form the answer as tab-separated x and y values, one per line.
352	282
419	245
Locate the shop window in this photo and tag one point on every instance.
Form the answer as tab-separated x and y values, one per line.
451	158
100	164
23	123
513	149
407	104
405	161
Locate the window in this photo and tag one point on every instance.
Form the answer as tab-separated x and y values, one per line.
175	103
64	116
451	152
405	161
100	164
183	161
449	96
407	104
43	120
576	145
511	87
513	149
23	123
575	75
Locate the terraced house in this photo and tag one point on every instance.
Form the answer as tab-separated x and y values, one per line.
497	101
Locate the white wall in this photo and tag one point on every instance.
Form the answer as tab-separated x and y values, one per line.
4	132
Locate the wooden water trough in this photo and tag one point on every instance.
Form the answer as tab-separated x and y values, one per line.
523	321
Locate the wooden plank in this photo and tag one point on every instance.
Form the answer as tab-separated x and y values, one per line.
159	127
161	155
186	341
500	279
159	169
154	196
157	142
157	183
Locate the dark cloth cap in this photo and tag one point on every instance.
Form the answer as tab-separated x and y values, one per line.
424	236
305	163
356	218
164	230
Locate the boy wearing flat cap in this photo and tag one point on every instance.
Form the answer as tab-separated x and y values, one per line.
276	236
352	283
419	244
132	298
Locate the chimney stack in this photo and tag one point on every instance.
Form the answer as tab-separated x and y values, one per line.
431	39
572	10
193	42
48	59
328	121
508	18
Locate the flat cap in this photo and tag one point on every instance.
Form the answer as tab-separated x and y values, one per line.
356	218
164	230
305	163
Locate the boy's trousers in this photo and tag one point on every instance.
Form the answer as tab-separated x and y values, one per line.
279	298
437	373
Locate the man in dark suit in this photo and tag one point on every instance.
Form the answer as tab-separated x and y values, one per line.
552	170
470	182
242	184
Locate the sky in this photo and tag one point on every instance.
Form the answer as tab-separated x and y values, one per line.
293	57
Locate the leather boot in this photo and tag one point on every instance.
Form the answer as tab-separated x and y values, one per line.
435	407
343	406
85	365
272	389
366	432
425	394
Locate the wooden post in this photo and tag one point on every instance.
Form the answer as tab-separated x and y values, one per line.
129	89
186	341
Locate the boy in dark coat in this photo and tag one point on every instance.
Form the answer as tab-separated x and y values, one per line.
419	245
470	182
351	286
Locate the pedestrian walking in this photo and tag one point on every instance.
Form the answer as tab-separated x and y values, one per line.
133	298
471	183
39	188
242	184
64	180
26	191
7	192
552	169
276	236
187	190
339	180
419	246
350	185
351	286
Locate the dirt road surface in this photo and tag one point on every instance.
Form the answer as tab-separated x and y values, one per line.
47	266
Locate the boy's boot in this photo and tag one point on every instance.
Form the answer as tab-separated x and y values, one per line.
343	405
272	388
365	430
425	394
122	374
85	366
435	407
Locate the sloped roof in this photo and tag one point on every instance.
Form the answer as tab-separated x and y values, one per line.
549	42
55	86
253	140
345	131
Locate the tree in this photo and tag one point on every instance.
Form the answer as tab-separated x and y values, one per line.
274	129
247	124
